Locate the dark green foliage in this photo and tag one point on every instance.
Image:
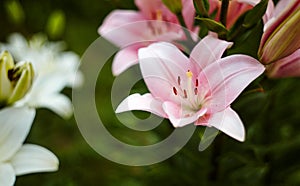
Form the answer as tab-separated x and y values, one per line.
269	156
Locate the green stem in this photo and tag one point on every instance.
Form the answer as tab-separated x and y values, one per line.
224	10
216	153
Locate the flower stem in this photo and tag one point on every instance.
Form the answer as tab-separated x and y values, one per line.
224	10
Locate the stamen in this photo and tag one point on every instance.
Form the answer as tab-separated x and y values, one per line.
185	94
197	82
175	91
178	80
159	15
189	74
196	91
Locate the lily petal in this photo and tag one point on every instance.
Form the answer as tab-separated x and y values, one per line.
161	64
149	7
144	102
175	114
7	175
286	67
15	124
123	27
33	158
228	77
124	59
58	103
188	12
228	122
209	50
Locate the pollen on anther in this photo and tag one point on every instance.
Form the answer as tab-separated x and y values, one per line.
185	94
189	74
175	91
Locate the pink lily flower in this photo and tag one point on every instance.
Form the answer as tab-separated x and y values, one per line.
280	42
236	9
195	90
131	30
285	67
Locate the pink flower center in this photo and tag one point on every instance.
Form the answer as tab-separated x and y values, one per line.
188	92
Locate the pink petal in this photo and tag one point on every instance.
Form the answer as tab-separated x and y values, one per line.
144	102
150	8
208	51
188	12
124	59
283	4
286	67
269	12
237	8
161	64
227	78
228	122
124	27
175	114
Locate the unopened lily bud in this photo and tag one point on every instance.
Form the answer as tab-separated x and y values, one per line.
282	38
174	6
15	80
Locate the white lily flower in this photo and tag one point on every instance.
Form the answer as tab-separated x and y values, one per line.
15	158
54	70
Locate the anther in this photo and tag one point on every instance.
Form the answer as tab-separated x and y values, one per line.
189	74
178	80
175	91
197	82
196	91
185	94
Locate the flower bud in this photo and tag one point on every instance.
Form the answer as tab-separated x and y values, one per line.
282	38
15	80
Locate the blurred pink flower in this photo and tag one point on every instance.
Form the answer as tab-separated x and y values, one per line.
196	90
131	30
236	9
280	42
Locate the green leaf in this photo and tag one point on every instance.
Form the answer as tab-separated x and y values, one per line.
214	26
201	7
255	15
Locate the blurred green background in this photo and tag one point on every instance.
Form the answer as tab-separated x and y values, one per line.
269	156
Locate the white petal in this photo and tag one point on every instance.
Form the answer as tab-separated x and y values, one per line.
33	158
141	102
58	103
228	122
15	124
7	175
